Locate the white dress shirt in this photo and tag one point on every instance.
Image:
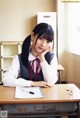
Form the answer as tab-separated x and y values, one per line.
49	72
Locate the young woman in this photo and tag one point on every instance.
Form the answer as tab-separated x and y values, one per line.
37	64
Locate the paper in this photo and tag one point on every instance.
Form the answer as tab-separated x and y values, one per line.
28	92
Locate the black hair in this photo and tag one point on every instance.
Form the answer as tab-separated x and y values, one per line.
45	31
42	29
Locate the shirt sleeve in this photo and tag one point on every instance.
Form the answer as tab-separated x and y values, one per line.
50	70
10	77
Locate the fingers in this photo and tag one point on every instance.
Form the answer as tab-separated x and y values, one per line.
45	84
41	84
50	46
45	52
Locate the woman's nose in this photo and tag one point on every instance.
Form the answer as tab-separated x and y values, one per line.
43	43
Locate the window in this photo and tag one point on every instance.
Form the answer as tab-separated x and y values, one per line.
73	27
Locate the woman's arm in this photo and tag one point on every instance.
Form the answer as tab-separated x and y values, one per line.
50	70
49	73
10	77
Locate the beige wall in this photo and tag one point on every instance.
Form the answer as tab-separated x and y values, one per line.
18	17
73	68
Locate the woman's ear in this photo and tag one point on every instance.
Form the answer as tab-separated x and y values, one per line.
32	36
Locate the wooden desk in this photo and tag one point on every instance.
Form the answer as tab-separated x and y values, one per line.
58	94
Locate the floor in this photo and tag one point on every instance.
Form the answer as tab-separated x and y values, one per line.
64	117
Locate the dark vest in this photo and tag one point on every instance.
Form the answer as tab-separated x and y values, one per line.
24	71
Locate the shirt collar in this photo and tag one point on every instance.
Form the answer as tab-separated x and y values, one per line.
31	57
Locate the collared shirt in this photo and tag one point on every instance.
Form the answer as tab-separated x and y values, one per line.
49	72
31	58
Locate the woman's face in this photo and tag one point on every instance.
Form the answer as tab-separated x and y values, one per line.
41	44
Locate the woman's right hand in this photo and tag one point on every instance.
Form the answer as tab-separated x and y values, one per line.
41	84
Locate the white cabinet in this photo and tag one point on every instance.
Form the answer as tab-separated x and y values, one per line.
7	51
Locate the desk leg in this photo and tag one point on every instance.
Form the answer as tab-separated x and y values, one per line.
78	109
59	79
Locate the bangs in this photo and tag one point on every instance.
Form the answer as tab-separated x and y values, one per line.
48	35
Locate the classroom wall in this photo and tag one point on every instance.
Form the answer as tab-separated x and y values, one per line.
73	68
18	17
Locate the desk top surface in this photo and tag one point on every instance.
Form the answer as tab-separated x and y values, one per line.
58	93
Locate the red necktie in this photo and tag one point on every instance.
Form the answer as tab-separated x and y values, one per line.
32	68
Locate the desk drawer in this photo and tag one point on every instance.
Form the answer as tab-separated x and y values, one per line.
37	108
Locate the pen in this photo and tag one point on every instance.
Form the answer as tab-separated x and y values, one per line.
31	92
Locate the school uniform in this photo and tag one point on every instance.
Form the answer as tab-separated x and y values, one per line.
13	77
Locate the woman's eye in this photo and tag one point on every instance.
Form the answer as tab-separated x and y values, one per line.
40	38
47	41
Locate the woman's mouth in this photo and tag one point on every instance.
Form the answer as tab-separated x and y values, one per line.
40	48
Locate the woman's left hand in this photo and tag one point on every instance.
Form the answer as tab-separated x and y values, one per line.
41	55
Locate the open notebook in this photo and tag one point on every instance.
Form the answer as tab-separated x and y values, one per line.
28	92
